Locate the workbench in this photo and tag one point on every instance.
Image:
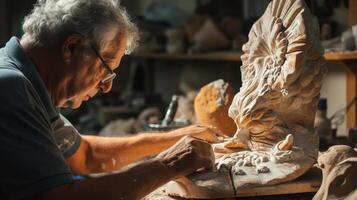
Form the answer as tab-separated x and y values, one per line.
303	188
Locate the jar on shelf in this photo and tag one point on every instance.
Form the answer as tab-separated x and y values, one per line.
322	123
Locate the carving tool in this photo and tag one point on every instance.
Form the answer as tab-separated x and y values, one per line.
171	111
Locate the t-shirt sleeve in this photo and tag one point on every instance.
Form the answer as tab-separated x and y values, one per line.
30	159
67	137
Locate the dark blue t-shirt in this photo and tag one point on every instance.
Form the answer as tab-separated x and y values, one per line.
34	138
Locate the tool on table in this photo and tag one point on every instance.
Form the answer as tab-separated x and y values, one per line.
171	111
169	123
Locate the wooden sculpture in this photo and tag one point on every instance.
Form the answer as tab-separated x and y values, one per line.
275	141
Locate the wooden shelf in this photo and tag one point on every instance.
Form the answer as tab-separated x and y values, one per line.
232	56
219	56
338	56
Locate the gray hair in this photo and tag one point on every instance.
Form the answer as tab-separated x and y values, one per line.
52	20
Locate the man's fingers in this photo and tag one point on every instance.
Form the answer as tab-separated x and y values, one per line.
215	130
218	139
211	159
188	155
207	156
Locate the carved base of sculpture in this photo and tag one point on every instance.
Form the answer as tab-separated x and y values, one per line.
244	169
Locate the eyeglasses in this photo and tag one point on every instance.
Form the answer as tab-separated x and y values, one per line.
111	75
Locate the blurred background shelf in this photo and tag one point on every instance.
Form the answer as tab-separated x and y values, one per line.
347	60
218	56
230	56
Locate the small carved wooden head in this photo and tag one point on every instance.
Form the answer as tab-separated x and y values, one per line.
339	170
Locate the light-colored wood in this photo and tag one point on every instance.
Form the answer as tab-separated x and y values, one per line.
352	12
336	56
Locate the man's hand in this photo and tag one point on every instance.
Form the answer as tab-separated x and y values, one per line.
207	133
186	156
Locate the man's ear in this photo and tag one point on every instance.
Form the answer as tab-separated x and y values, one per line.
70	44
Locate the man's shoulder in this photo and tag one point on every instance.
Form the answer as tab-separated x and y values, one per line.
5	61
12	79
15	89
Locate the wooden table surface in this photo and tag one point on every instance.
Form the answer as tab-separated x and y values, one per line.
303	188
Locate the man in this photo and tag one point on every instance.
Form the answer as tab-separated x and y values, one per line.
67	54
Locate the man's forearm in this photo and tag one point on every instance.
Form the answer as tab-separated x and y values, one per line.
133	183
105	154
102	154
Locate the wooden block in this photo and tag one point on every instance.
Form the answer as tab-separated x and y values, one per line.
212	104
